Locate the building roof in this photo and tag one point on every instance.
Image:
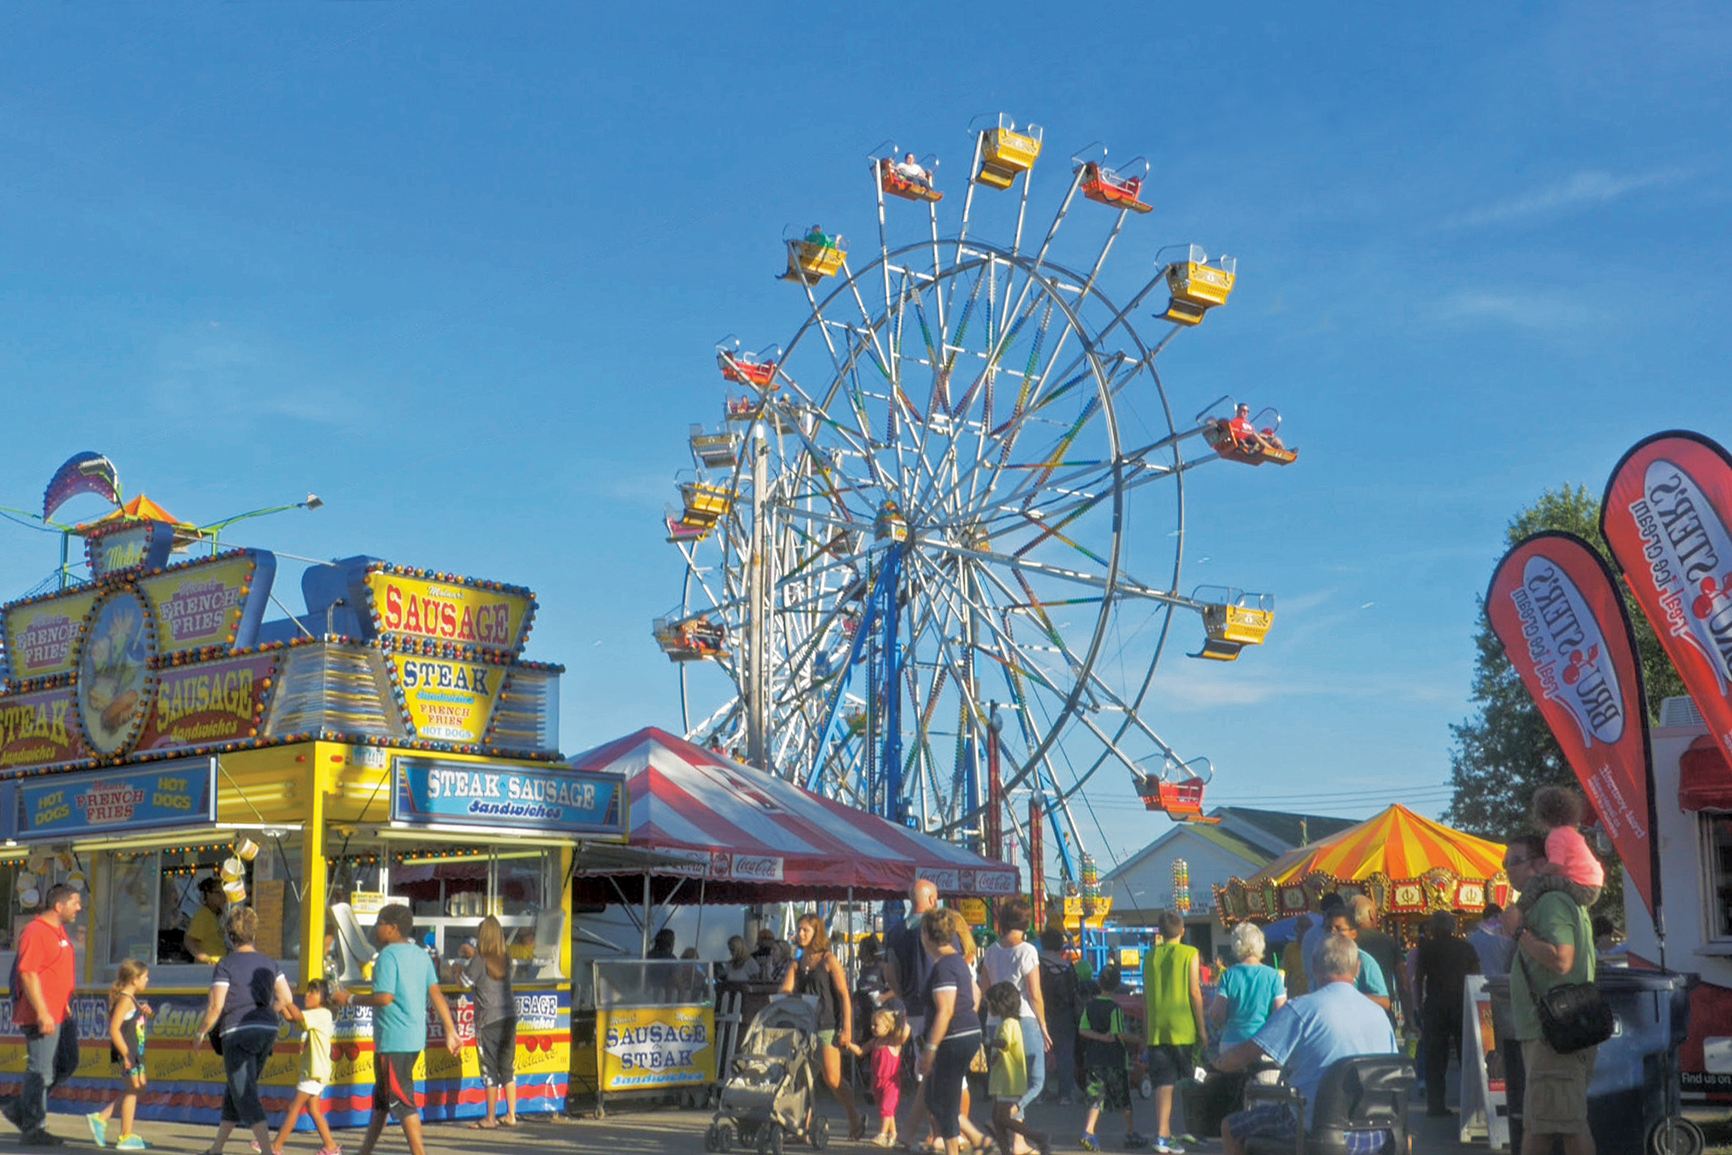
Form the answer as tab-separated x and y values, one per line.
1255	858
1277	831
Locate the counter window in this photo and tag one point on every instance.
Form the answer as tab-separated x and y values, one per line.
451	889
152	900
1717	836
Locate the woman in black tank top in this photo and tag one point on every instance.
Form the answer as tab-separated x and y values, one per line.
819	974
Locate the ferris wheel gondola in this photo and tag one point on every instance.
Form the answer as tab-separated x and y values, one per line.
929	511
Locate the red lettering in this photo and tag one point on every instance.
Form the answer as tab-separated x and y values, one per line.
466	629
447	620
393	606
412	619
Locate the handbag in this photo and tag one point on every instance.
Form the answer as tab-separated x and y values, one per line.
977	1065
1573	1016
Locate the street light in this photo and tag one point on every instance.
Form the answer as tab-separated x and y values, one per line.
214	530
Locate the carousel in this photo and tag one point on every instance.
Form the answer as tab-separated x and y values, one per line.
1408	865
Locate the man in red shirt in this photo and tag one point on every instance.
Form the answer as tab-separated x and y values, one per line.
46	976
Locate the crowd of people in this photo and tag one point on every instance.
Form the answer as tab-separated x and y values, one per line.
929	1006
249	999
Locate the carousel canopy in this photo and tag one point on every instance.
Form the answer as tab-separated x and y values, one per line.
1406	863
748	836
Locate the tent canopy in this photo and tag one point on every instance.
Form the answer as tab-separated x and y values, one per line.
1397	843
1408	864
752	837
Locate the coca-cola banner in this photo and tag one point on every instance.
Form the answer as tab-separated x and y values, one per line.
1665	518
1555	606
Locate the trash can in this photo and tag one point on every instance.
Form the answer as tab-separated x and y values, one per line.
1635	1085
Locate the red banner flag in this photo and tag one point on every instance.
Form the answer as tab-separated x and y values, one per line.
1665	518
1554	604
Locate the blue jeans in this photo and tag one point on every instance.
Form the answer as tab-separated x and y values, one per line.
40	1074
1035	1048
244	1055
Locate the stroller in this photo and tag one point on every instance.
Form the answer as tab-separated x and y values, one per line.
770	1089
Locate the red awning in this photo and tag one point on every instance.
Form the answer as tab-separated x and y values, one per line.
752	837
1704	779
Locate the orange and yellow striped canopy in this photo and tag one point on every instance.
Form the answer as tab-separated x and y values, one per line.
1398	844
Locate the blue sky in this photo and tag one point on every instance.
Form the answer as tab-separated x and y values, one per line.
458	269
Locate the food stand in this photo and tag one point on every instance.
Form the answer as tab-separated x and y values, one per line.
390	745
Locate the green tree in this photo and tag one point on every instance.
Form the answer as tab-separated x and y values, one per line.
1506	751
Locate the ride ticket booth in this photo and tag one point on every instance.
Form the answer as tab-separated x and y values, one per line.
389	745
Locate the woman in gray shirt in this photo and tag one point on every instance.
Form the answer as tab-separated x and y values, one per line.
488	975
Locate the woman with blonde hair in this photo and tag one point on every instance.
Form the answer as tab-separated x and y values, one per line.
489	976
818	974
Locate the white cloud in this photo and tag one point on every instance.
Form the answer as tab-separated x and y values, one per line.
1534	310
1583	190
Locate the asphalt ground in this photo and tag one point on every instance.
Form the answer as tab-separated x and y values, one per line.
641	1129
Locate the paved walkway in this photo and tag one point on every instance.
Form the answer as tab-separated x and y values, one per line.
632	1131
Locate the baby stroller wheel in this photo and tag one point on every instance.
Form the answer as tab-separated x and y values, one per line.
1146	1088
819	1136
770	1139
725	1137
711	1142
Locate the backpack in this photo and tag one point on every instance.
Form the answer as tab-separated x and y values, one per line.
1059	988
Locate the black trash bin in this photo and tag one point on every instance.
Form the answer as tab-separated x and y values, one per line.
1628	1098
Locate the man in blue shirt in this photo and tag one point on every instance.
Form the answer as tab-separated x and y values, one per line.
404	982
1326	907
1370	982
1307	1036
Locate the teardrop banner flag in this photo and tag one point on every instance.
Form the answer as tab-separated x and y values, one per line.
1665	517
1554	605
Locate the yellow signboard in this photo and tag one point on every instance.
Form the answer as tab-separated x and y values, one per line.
200	605
656	1046
448	700
458	612
39	635
974	910
1073	912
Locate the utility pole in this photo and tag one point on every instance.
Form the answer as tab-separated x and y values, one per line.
757	705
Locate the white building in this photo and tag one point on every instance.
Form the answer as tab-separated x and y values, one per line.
1243	843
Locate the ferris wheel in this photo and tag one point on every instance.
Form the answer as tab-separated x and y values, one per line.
948	510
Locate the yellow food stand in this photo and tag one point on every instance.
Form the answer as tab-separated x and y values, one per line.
389	745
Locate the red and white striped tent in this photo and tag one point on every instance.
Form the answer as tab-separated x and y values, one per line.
752	837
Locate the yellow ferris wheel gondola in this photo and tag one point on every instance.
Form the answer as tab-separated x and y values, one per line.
815	256
1196	284
1006	151
1232	620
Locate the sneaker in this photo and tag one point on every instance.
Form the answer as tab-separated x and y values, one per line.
98	1128
334	1149
1164	1145
1088	1143
41	1137
131	1143
1187	1138
1134	1141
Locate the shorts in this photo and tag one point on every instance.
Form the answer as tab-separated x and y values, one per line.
827	1037
1108	1088
394	1084
1168	1063
1276	1126
121	1073
497	1042
1557	1092
313	1087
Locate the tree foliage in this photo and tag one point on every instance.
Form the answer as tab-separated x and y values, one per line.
1506	751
